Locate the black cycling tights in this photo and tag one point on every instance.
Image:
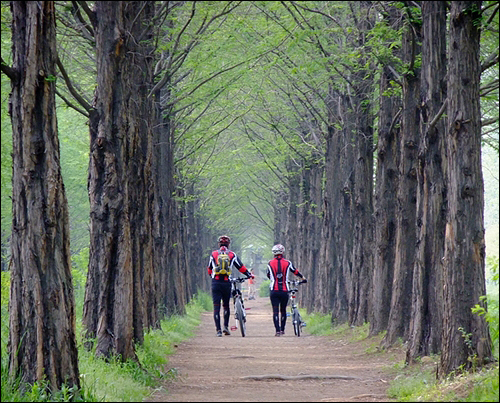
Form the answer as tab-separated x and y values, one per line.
221	291
279	301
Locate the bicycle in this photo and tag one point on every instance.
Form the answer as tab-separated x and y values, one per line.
239	308
296	318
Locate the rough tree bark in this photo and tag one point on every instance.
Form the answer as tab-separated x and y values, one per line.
362	199
311	227
342	206
119	295
386	184
399	316
291	241
466	339
42	312
426	311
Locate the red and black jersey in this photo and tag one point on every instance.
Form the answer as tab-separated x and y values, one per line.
278	271
234	262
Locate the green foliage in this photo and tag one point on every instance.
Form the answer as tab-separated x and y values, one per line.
4	297
264	290
485	387
420	384
491	312
74	146
318	324
406	388
80	263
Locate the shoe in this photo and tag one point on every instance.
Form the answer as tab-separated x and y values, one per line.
219	333
282	332
278	334
226	331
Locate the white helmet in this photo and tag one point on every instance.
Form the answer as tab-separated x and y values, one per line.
278	249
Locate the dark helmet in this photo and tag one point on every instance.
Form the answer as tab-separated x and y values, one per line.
224	240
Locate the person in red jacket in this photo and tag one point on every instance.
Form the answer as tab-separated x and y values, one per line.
221	286
278	271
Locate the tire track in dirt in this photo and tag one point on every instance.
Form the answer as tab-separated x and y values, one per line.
212	369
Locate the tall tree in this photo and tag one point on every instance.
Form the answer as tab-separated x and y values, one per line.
120	278
386	184
362	197
466	339
42	341
399	316
426	314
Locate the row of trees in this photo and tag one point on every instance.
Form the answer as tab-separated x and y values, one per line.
411	260
281	109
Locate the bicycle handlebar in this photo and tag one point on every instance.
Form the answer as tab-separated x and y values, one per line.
237	280
297	282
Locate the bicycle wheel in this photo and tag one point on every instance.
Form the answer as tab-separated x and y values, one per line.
297	322
241	318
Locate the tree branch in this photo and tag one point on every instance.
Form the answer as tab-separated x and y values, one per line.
67	102
490	61
9	71
439	114
71	89
76	6
88	11
488	121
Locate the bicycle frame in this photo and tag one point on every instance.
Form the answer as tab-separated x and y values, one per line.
239	308
295	314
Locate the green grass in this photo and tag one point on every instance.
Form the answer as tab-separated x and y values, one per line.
129	382
318	324
419	384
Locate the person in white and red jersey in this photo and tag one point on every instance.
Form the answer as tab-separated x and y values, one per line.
221	286
278	271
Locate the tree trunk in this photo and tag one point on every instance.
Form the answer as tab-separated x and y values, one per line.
291	242
466	339
42	339
120	274
399	316
342	207
312	177
330	291
426	314
386	184
362	209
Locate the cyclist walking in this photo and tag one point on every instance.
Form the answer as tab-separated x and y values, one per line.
278	271
221	286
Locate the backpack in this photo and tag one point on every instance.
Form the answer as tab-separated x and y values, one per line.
223	263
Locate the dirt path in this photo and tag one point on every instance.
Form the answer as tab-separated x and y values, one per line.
212	369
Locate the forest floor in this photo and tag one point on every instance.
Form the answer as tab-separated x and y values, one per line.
220	369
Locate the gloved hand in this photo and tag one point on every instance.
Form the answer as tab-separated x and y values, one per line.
304	280
250	275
